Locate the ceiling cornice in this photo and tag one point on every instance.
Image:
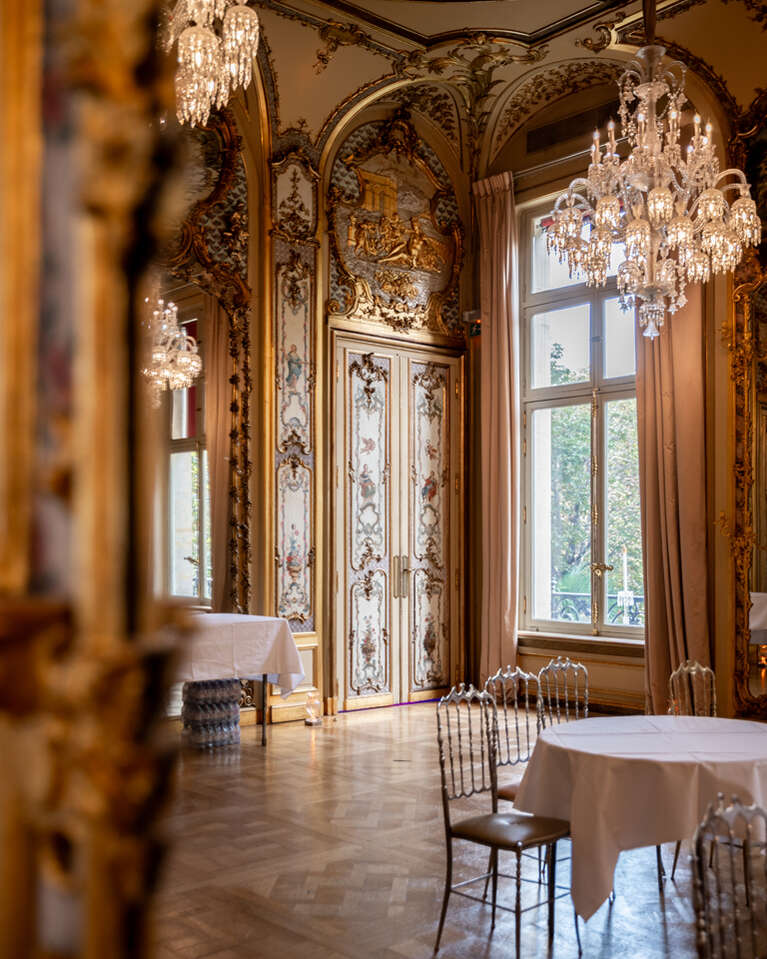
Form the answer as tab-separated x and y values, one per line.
428	41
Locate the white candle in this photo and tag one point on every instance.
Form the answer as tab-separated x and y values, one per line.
625	569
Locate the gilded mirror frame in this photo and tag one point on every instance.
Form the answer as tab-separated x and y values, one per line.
194	260
748	143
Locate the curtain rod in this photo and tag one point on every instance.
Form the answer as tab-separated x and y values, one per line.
539	167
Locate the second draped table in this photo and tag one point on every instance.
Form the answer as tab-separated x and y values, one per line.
628	781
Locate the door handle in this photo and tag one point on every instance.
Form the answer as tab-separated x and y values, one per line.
405	577
600	568
395	577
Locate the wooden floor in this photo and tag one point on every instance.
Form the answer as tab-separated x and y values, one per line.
330	844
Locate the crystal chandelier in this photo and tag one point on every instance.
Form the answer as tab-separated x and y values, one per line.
174	361
680	218
216	41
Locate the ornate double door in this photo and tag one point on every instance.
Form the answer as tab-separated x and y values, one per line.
398	458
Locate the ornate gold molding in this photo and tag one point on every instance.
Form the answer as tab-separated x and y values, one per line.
547	86
219	267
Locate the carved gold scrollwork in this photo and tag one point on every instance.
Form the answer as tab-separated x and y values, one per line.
370	374
743	351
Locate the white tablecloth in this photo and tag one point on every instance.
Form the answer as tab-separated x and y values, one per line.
230	646
630	781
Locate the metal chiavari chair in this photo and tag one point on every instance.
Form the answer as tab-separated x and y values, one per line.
730	882
511	690
467	734
691	692
564	691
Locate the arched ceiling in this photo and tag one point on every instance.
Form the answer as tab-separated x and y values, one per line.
479	69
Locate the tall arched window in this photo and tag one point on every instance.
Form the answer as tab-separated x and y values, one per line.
582	542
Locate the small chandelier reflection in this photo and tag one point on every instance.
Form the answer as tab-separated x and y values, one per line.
680	218
216	41
174	358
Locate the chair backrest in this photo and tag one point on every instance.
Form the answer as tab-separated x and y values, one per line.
564	691
730	882
467	729
692	690
511	690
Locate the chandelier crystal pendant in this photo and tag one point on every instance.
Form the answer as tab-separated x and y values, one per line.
216	42
680	218
174	361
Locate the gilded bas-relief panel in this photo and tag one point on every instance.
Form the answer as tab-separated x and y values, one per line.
294	551
294	355
369	636
396	240
431	512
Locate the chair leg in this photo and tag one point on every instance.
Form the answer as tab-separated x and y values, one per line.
489	873
494	857
661	870
518	903
552	859
448	887
577	933
676	857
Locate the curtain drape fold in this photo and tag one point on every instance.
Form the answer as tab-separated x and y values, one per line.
672	483
499	301
217	427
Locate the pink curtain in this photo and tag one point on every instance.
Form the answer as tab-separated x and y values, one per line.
499	422
672	484
217	426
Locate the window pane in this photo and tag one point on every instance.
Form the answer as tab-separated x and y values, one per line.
184	402
620	344
625	591
206	546
184	523
561	528
547	272
560	346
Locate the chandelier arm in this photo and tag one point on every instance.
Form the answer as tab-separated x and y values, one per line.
739	184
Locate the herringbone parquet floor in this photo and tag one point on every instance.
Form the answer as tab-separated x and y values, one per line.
330	844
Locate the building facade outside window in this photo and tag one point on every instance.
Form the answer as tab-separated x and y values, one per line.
582	541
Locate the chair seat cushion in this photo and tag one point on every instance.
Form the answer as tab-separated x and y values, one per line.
509	789
510	830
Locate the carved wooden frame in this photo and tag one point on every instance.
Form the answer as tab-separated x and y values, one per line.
750	275
192	261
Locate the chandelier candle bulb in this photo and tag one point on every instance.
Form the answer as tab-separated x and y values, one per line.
217	41
670	208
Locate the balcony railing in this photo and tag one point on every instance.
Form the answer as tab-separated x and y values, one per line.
576	608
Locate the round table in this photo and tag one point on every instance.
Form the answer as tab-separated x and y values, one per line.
629	781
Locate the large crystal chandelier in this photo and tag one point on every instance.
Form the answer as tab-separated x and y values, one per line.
680	218
217	41
174	361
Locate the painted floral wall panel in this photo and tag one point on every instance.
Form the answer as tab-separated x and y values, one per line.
368	438
294	355
430	457
369	636
430	634
369	459
294	550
